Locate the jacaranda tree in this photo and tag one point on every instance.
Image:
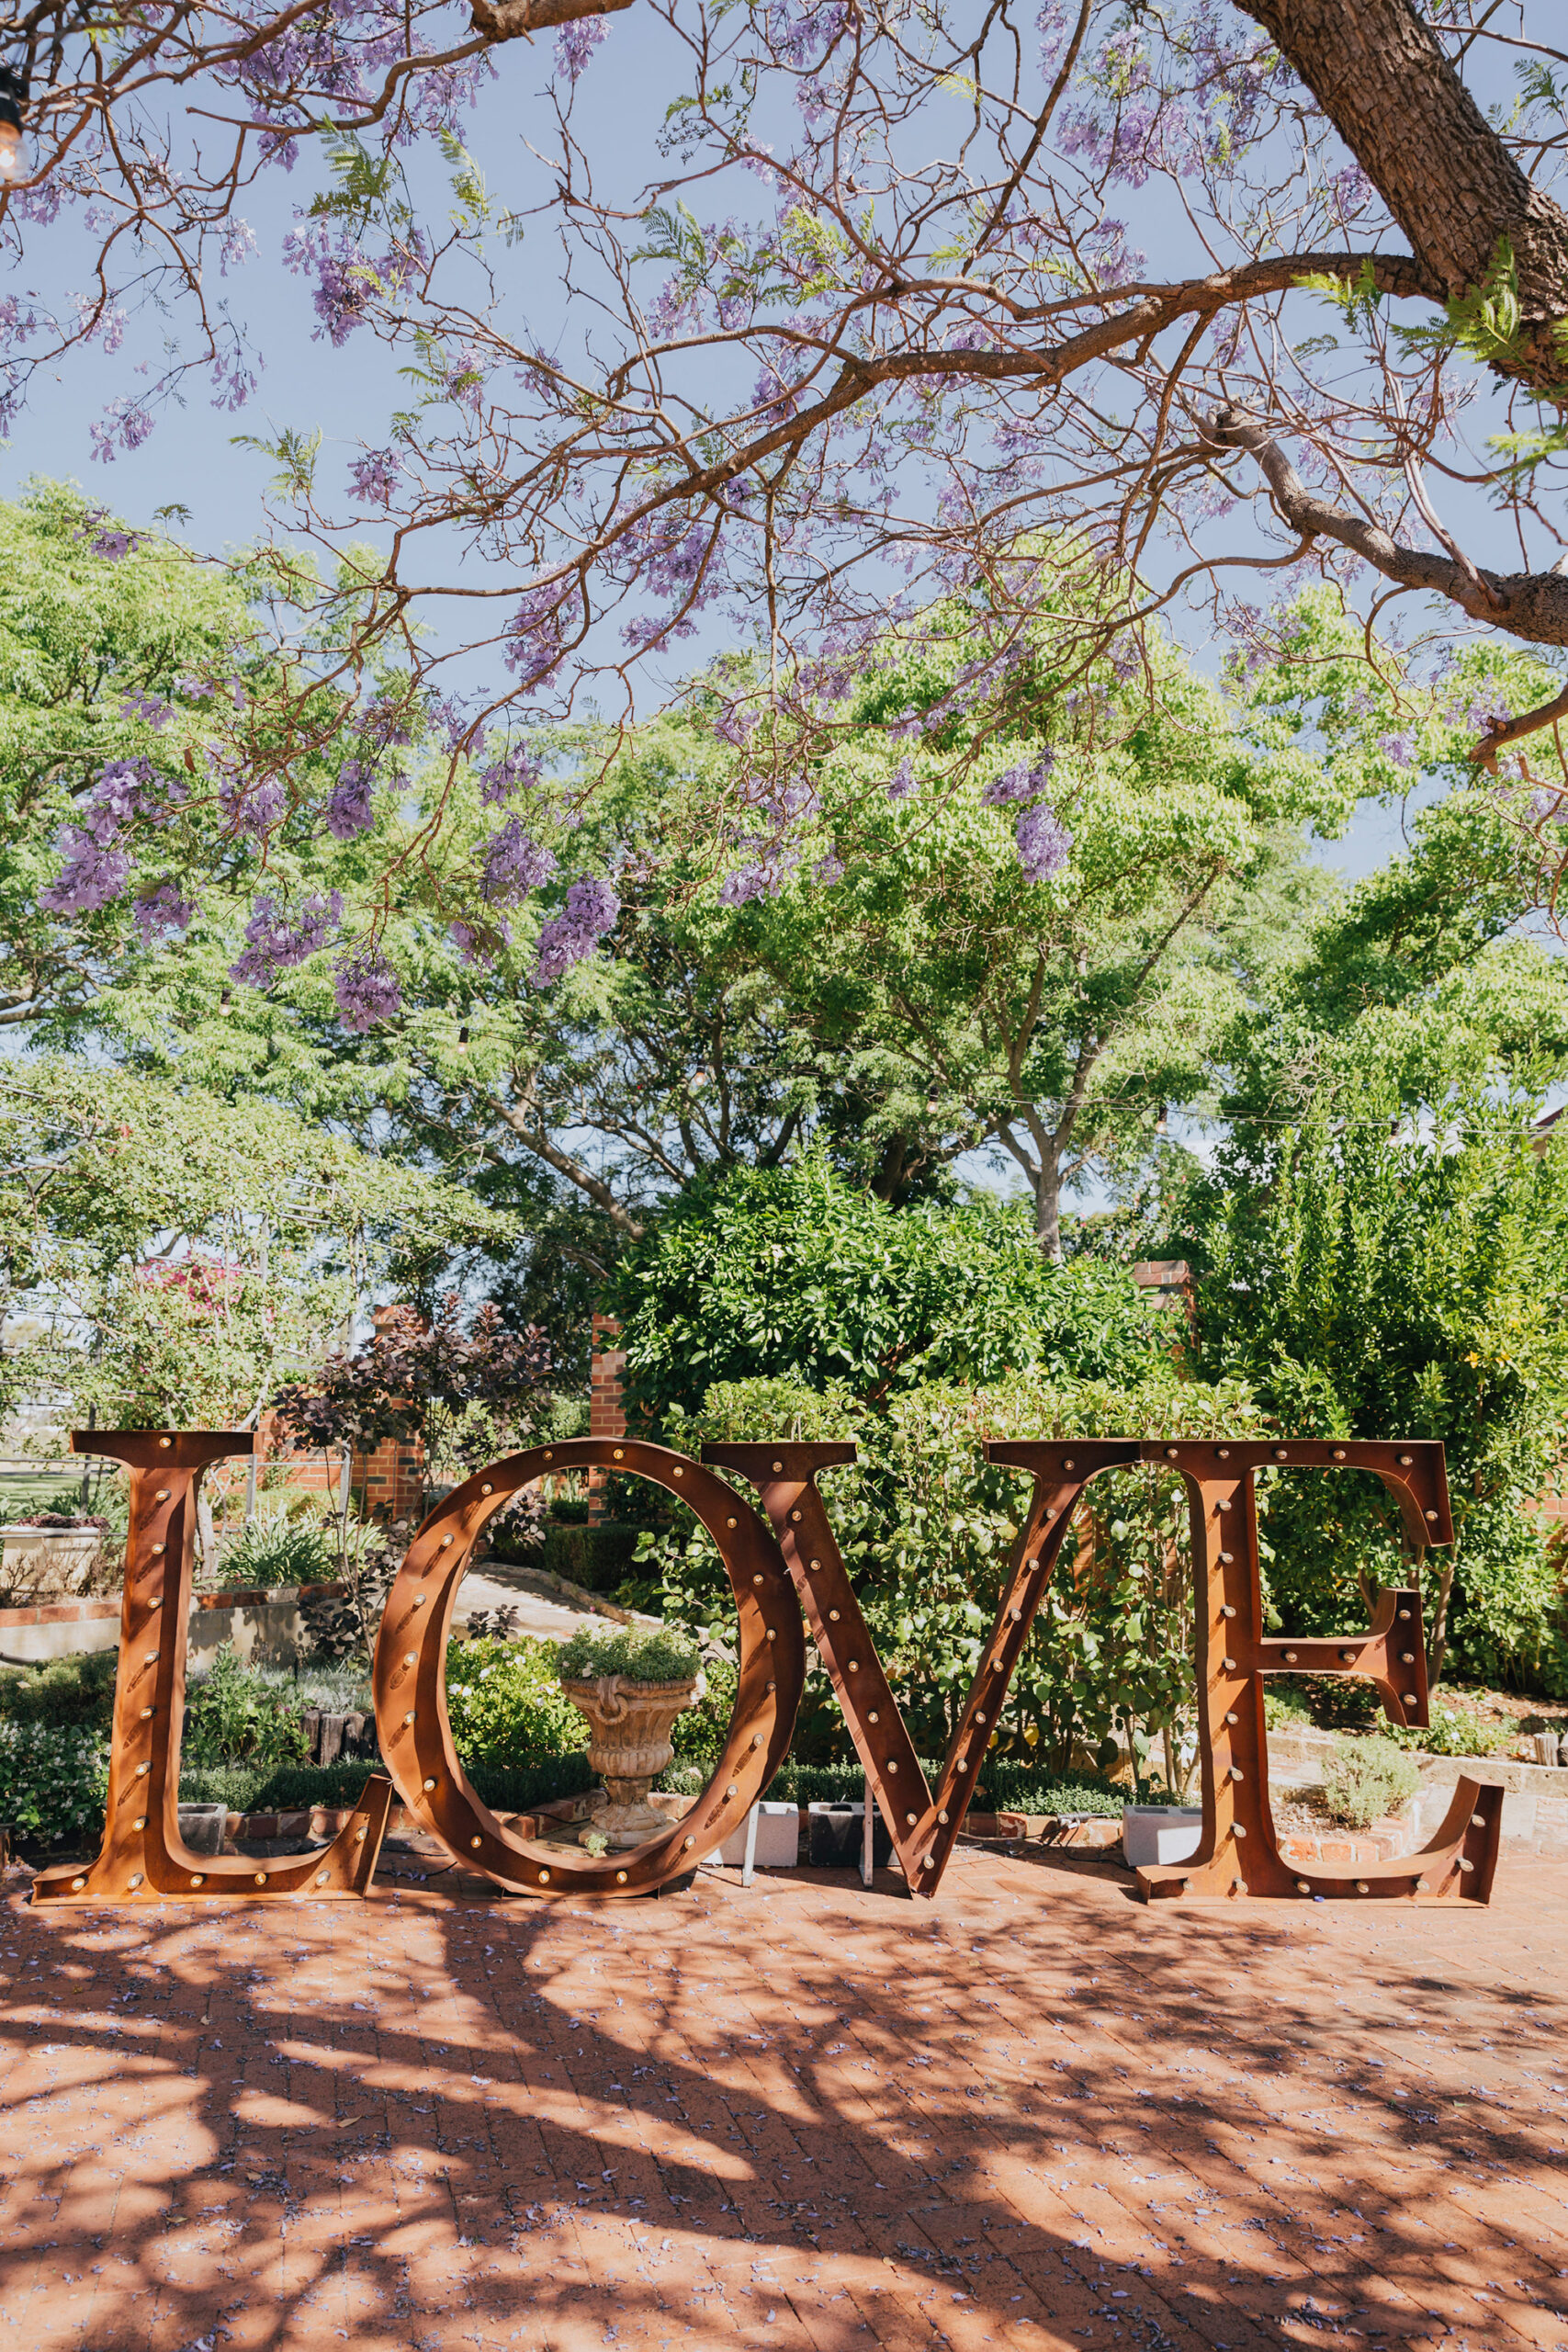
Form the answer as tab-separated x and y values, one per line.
862	320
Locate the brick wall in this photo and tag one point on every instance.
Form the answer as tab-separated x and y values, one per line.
606	1401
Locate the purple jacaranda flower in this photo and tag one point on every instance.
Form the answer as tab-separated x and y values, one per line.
1019	783
121	790
533	634
160	908
277	939
466	378
95	867
591	906
89	878
764	880
830	869
375	477
473	945
576	42
514	863
1400	747
123	422
733	724
517	769
901	783
746	883
237	244
367	991
113	545
1042	843
152	708
252	808
1486	712
349	804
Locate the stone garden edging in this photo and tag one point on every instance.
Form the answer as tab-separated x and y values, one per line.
264	1621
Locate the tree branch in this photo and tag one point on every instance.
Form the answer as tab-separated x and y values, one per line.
1529	605
1378	74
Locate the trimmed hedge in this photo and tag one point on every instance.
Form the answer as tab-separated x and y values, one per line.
1004	1787
291	1788
599	1558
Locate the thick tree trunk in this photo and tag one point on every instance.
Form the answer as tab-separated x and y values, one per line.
1048	1210
1380	75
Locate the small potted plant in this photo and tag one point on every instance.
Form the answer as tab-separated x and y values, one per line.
631	1687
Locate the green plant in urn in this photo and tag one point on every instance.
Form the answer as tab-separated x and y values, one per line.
630	1687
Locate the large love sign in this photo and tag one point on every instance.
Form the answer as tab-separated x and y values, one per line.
785	1573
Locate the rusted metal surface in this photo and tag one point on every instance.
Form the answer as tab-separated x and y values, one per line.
410	1677
1238	1853
777	1579
142	1854
923	1824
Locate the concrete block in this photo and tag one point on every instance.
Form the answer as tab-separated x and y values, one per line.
778	1840
1160	1833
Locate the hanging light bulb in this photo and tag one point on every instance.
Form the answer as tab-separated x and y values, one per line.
13	98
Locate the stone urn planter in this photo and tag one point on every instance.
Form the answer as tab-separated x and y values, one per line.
631	1723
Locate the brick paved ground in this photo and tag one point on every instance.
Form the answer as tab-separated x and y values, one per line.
1036	2114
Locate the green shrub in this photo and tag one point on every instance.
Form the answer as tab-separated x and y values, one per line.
927	1528
700	1730
643	1657
53	1779
233	1712
1004	1789
598	1558
792	1272
1283	1705
290	1788
1367	1778
275	1550
68	1690
505	1705
1454	1731
514	1788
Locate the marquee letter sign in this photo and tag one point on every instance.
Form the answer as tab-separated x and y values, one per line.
779	1572
143	1853
1238	1853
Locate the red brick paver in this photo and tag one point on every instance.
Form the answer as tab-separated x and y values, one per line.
804	2116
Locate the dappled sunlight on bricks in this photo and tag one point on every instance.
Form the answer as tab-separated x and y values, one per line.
1034	2114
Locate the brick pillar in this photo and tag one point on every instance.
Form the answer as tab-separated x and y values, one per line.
1169	1280
606	1403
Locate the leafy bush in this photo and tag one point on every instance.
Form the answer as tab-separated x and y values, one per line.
1373	1285
1367	1778
233	1712
699	1732
342	1621
1455	1731
642	1658
1004	1789
1283	1705
67	1691
290	1788
598	1558
926	1526
337	1688
274	1788
514	1788
275	1550
1329	1701
793	1273
504	1702
54	1779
